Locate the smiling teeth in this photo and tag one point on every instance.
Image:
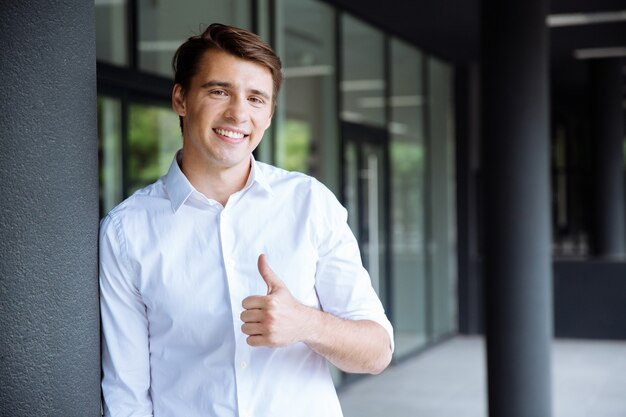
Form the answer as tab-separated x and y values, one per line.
230	134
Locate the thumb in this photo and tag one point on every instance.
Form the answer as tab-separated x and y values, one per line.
270	278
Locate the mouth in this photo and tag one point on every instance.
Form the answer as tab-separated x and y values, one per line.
231	135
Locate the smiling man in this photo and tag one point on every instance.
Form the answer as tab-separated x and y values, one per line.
228	285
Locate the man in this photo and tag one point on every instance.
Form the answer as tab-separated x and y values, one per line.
228	284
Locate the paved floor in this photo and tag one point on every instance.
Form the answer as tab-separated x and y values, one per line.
589	380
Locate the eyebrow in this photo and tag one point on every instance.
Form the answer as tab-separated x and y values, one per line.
226	84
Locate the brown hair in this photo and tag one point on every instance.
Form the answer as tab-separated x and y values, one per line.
235	41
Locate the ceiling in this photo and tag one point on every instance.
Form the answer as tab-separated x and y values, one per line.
450	29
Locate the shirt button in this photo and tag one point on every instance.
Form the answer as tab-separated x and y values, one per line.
231	263
243	364
246	414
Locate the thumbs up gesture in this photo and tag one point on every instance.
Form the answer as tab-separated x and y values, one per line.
276	319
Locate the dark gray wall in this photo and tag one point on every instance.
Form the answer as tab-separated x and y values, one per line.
590	299
49	324
467	117
607	116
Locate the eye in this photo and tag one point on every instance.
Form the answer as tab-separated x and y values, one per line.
218	93
256	100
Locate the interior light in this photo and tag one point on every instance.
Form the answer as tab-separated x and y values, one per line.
308	71
362	85
594	53
573	19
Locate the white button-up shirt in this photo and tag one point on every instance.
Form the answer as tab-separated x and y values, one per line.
175	267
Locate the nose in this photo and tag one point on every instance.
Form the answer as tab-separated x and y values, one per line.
236	110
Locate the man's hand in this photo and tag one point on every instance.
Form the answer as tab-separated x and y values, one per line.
276	319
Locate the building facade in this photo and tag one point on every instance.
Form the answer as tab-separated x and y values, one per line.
365	112
472	179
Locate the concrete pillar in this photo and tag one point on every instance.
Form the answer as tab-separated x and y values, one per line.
49	323
516	207
607	130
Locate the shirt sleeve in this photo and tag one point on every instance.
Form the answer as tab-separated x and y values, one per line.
125	346
343	285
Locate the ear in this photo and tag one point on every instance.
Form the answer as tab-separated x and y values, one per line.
178	100
269	120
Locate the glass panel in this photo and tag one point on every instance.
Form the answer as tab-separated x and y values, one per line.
111	33
153	139
373	214
164	25
307	139
295	145
569	205
110	153
443	202
364	192
363	76
407	170
351	176
266	19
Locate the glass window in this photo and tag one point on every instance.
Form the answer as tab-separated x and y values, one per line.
110	152
373	208
153	139
111	33
363	129
569	203
307	138
164	25
407	170
442	198
363	78
295	145
351	178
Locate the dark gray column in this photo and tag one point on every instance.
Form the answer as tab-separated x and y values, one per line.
49	324
517	258
607	115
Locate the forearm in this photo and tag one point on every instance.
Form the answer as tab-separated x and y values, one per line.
355	346
278	319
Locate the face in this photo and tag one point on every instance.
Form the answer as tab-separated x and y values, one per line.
226	110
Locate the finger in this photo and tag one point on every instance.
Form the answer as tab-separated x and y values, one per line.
252	329
252	316
254	302
270	278
257	340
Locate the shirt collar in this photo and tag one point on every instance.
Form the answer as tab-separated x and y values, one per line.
179	189
176	183
257	175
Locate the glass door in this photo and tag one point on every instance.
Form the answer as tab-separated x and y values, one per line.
366	199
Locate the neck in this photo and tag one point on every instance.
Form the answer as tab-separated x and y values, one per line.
216	183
